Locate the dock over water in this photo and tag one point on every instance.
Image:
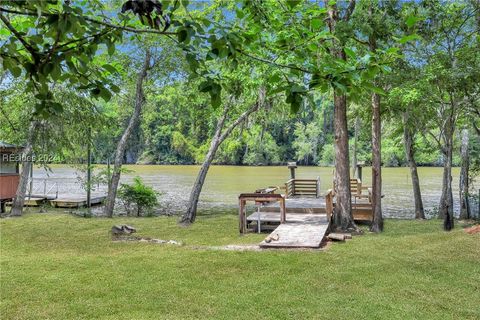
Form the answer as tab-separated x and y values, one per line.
301	217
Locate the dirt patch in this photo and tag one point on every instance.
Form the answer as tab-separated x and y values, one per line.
473	230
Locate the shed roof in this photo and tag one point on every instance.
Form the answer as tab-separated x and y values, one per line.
7	147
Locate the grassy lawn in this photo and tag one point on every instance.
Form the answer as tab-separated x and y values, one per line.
56	266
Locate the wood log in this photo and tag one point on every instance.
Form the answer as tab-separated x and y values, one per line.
336	237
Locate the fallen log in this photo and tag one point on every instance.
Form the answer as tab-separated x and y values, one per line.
336	237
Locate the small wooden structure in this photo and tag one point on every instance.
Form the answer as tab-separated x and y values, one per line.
361	200
301	218
76	202
259	198
302	187
9	172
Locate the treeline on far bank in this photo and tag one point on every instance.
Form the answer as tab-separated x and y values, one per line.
177	126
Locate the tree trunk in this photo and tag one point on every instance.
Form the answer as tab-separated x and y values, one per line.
410	155
464	172
191	213
377	223
139	102
19	200
355	148
342	218
446	200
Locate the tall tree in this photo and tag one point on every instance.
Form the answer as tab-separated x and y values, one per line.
222	131
408	138
343	217
121	146
464	176
447	56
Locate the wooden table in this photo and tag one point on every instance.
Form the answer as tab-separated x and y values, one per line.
258	197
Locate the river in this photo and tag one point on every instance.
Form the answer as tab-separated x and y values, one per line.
225	183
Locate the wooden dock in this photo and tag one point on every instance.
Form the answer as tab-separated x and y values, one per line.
300	218
305	227
76	202
305	234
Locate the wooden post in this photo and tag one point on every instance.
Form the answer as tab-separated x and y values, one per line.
283	213
30	187
292	166
318	187
89	173
359	169
241	216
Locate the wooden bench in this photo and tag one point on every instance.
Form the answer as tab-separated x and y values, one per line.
361	206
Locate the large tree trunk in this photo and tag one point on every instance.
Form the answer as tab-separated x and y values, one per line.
139	102
464	205
191	213
19	200
342	218
410	154
446	200
377	223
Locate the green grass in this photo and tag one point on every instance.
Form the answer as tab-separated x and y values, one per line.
56	266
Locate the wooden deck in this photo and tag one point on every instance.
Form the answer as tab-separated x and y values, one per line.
76	202
301	217
298	205
305	226
307	234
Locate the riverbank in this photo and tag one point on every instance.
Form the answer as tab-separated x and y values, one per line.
225	183
58	266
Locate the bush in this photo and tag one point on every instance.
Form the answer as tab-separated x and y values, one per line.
138	196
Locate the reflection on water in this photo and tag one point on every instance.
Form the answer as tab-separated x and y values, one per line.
225	183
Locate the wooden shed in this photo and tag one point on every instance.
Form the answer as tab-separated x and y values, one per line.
9	172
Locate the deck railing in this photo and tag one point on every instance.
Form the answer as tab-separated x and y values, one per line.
41	187
302	187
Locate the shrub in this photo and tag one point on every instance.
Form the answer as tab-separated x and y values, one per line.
138	196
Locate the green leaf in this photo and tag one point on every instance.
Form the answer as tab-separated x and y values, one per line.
372	88
293	3
16	71
350	53
216	99
205	86
411	20
56	72
341	87
109	68
115	88
298	88
409	38
110	48
105	94
182	35
316	23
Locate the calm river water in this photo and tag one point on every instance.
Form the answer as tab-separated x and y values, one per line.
225	183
